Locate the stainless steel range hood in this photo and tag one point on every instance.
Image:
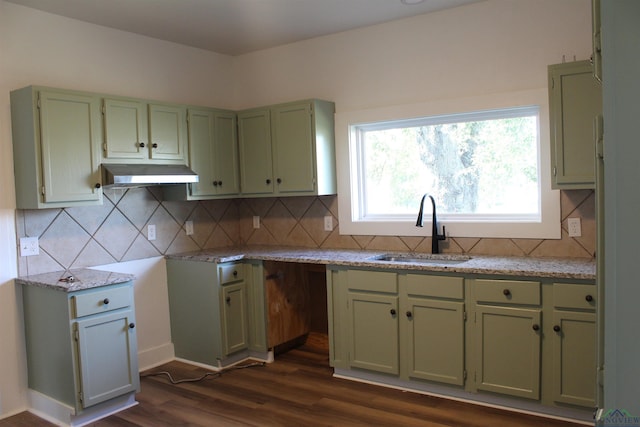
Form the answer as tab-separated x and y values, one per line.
140	175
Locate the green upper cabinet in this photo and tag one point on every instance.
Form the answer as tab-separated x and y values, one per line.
56	135
213	155
288	149
125	129
167	132
256	164
575	99
136	131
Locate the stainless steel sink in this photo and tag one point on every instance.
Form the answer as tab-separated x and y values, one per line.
422	258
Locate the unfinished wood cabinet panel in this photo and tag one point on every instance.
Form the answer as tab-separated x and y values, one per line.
288	301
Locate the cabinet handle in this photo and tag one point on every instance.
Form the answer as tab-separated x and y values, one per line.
220	183
556	328
409	314
215	183
279	181
228	300
235	273
506	292
589	298
536	327
393	311
98	185
141	145
132	325
268	181
154	145
105	301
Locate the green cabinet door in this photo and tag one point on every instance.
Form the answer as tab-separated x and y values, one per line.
508	350
234	318
200	126
56	142
374	332
125	129
107	356
167	132
293	148
256	164
574	357
435	345
226	153
575	99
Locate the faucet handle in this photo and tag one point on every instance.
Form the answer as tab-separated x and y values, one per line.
442	236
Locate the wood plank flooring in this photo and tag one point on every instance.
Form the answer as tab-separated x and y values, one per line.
296	390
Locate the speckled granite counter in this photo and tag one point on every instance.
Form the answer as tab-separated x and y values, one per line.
82	278
554	268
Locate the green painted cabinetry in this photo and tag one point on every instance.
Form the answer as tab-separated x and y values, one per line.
126	135
56	135
575	99
81	346
573	336
213	155
288	149
168	132
508	331
408	325
217	311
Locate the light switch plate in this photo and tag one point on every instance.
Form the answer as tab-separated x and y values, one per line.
256	221
29	246
188	227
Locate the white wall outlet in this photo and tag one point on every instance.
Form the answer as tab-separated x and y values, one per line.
256	221
328	223
188	227
29	246
575	229
151	232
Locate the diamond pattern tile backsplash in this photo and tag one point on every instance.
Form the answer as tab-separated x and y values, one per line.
117	230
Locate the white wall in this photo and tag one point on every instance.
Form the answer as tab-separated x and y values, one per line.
44	49
489	47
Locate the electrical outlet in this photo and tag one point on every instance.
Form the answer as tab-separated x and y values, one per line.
575	229
188	227
29	246
256	221
151	232
328	223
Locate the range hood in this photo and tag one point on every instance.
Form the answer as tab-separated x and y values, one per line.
140	175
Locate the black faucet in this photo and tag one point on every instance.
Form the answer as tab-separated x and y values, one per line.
435	237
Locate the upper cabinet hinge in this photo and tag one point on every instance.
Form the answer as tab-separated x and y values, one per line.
80	396
103	109
42	190
464	316
76	335
599	131
38	102
555	171
553	82
464	374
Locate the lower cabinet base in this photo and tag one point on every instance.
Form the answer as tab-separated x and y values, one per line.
582	416
233	360
61	414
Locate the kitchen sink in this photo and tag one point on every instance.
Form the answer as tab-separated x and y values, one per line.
422	258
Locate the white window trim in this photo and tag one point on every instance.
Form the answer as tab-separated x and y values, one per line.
548	228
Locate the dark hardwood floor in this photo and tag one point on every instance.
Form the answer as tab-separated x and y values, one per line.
296	390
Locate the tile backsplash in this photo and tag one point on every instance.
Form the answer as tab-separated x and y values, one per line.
117	230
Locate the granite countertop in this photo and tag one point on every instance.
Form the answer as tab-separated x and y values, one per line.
75	279
554	268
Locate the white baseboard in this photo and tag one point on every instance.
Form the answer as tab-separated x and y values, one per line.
155	356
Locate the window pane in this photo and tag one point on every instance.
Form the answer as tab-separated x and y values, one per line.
485	167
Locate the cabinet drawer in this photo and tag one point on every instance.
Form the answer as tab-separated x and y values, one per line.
374	281
101	301
435	286
230	273
507	291
568	295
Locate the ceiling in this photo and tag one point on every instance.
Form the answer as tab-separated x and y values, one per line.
235	27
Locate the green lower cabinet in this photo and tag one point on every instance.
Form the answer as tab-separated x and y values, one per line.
81	346
508	350
216	311
374	332
435	348
234	317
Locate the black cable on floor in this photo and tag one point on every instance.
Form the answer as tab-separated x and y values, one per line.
207	374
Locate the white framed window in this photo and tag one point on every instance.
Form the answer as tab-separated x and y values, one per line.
485	162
